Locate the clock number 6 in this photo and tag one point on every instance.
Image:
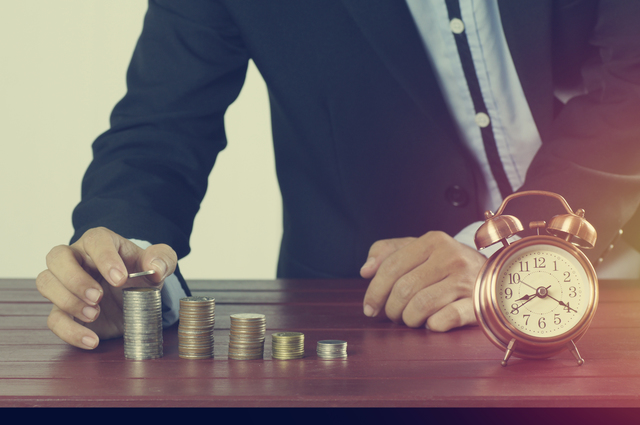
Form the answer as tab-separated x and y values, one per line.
541	323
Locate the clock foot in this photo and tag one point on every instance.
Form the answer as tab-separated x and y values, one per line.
509	352
574	350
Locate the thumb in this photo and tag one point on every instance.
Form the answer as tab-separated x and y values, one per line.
160	258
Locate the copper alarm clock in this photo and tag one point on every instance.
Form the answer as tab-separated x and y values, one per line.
536	296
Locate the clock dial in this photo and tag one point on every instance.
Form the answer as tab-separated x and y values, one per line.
542	291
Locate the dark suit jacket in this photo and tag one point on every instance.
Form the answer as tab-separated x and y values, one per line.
365	148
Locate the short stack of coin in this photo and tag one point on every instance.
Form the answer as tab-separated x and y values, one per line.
195	331
287	345
332	349
246	336
142	309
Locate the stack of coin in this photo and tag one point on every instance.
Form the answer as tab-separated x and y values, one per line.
287	345
332	349
246	336
195	331
142	309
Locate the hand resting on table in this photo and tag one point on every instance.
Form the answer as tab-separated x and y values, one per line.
426	281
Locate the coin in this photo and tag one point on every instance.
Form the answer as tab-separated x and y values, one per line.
287	345
248	317
138	274
332	349
246	336
195	329
142	309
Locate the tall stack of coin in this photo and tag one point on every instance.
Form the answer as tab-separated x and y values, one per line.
287	345
195	331
142	323
332	349
246	336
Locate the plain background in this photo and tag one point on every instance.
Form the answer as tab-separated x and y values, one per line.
62	69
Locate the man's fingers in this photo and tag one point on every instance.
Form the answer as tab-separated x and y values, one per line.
63	325
84	281
453	315
53	290
160	258
429	300
115	257
63	266
425	281
396	265
423	288
106	251
444	278
379	252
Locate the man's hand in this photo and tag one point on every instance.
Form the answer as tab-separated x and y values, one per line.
425	280
84	282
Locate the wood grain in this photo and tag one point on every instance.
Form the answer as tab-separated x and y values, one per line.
389	365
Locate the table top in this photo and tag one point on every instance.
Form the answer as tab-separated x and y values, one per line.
388	365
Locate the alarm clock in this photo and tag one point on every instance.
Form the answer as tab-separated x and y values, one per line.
536	296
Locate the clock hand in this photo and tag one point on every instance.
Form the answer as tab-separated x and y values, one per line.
540	292
527	297
563	304
531	297
543	292
522	281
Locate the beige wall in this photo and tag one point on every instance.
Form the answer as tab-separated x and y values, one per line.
62	69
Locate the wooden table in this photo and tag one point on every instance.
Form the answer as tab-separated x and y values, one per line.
388	364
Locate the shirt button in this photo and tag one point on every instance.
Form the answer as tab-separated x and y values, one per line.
457	196
457	26
482	120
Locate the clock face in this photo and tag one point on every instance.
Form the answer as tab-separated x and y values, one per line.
542	290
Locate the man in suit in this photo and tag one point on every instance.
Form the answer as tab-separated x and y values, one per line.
371	161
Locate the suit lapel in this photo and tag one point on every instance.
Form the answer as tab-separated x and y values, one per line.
389	27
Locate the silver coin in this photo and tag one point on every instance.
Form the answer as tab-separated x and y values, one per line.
142	312
332	349
138	274
197	299
248	316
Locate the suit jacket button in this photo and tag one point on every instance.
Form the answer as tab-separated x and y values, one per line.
457	196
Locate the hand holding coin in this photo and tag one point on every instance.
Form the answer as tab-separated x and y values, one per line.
84	281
